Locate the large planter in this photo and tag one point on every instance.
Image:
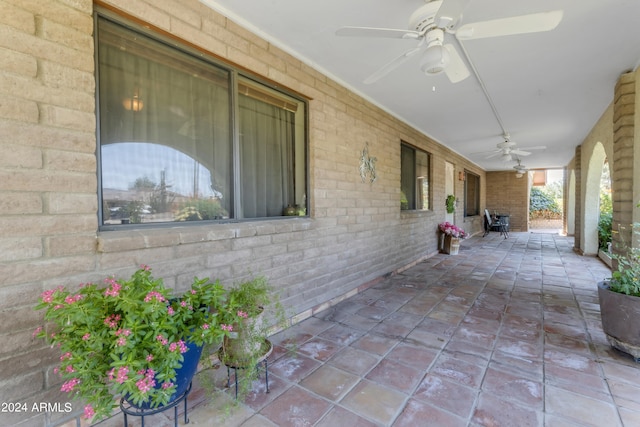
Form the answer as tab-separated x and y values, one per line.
184	375
246	342
620	319
451	245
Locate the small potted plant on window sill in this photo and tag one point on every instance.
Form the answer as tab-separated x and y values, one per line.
129	338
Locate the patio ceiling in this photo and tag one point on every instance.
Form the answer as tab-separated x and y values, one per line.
548	88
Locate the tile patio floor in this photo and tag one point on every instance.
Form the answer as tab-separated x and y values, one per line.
507	333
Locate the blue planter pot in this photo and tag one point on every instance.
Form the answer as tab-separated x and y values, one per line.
184	375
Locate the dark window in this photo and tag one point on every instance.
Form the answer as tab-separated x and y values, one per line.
471	194
168	149
414	178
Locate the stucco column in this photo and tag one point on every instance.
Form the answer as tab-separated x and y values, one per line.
578	197
626	165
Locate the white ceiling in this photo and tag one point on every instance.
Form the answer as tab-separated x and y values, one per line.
548	88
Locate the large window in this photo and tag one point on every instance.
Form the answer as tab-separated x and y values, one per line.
184	139
414	178
471	194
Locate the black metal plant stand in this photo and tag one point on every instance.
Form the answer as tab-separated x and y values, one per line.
262	360
129	409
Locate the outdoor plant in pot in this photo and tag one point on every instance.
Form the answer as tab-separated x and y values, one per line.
129	338
244	313
450	235
620	302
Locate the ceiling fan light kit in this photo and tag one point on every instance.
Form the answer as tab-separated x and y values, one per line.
436	57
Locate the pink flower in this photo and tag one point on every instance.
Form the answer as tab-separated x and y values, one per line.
70	369
147	383
145	267
167	385
242	314
36	331
70	385
226	327
112	321
154	295
170	311
86	336
149	357
193	292
66	355
162	339
173	346
121	342
183	303
205	326
125	332
122	374
89	412
114	290
183	346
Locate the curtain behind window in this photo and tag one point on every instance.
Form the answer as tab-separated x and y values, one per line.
266	158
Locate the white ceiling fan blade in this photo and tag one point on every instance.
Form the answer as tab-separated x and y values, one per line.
493	155
534	23
390	66
377	32
520	152
537	147
456	70
449	13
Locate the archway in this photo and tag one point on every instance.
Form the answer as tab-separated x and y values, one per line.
591	210
571	204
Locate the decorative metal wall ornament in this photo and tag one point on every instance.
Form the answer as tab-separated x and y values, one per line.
367	165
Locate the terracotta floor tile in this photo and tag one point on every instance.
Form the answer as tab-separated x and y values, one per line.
375	343
296	407
390	373
341	335
329	382
584	410
319	349
514	387
294	367
358	362
341	417
459	371
447	395
415	356
418	413
494	411
375	402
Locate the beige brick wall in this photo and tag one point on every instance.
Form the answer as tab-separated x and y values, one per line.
48	202
509	195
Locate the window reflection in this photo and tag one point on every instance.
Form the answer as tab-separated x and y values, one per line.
147	182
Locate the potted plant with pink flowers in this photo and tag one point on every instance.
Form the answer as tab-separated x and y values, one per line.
131	338
451	235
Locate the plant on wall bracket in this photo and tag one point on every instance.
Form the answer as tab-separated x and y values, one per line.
367	165
451	203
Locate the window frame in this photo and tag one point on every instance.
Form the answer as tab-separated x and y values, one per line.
429	198
236	75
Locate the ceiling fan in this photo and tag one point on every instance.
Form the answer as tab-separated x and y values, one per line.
429	24
507	149
520	169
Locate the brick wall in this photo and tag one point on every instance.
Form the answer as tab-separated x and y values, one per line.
622	179
505	194
48	201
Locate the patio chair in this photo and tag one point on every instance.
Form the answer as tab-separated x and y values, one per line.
497	223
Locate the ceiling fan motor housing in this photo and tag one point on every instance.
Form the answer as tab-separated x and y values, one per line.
424	18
